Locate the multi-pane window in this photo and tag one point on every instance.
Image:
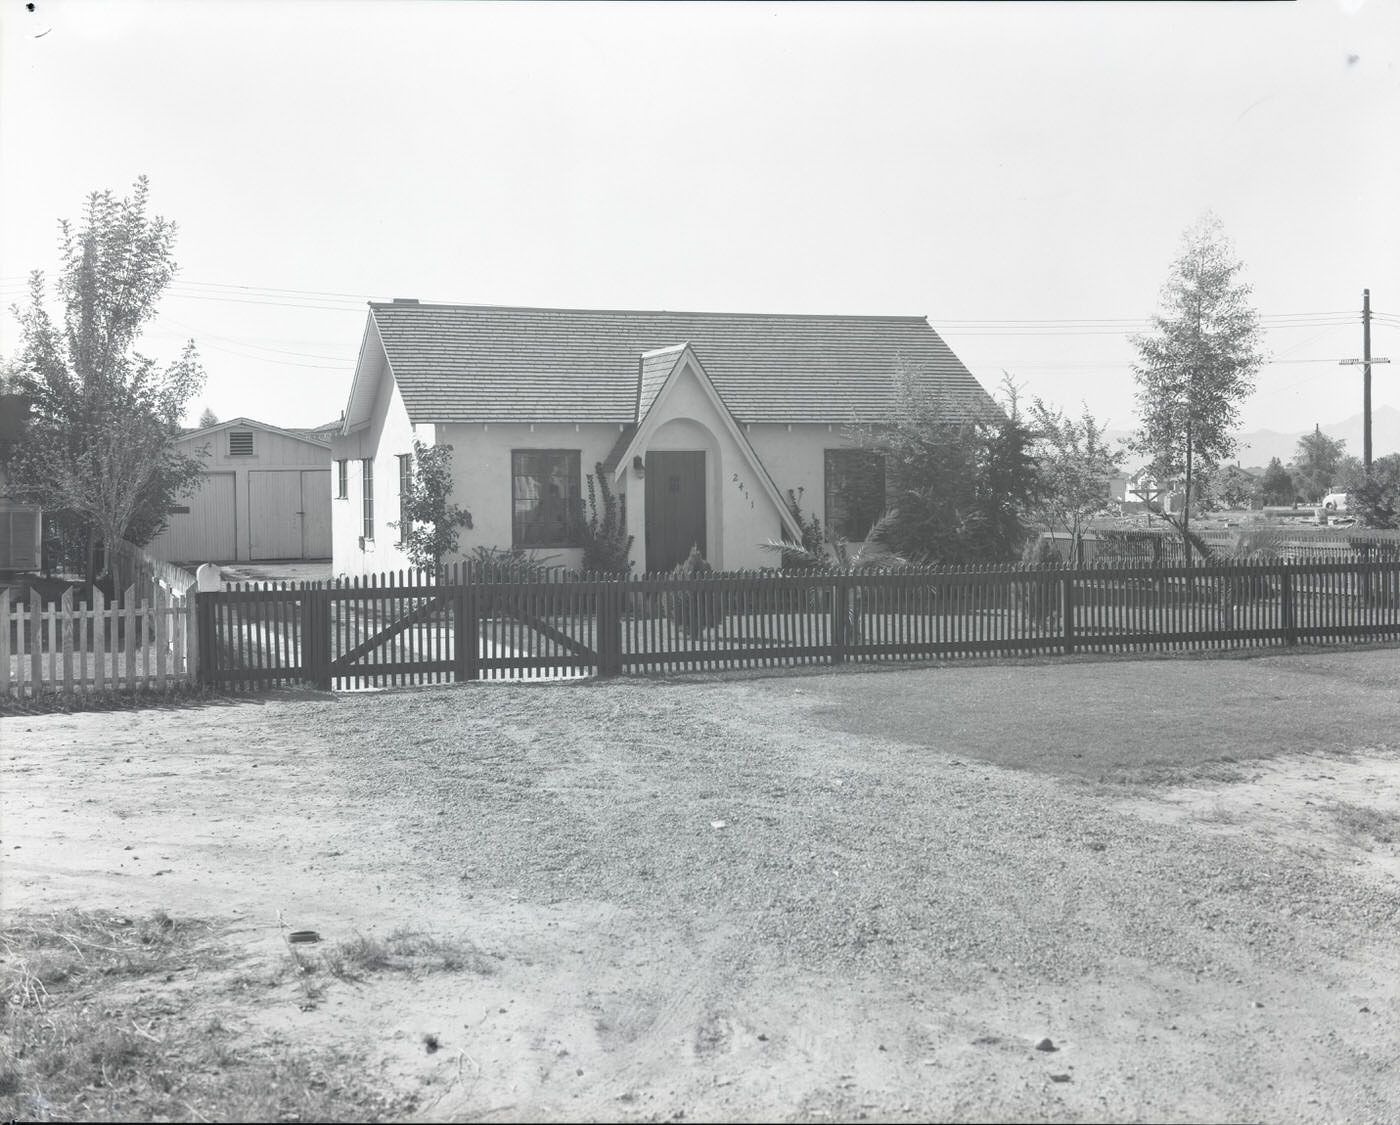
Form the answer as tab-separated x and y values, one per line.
240	443
855	492
405	487
367	496
545	497
342	479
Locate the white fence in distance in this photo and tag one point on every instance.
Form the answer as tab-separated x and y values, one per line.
144	640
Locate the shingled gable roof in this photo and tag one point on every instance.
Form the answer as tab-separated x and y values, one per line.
478	363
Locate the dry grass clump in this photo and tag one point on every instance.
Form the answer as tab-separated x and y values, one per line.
96	1024
1365	825
405	951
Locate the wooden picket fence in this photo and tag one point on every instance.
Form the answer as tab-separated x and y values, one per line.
415	628
143	640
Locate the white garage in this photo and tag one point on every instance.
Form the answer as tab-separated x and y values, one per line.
265	494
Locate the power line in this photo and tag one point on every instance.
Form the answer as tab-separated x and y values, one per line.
333	300
188	332
341	367
1075	365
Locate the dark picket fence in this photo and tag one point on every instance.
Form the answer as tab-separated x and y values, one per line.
414	628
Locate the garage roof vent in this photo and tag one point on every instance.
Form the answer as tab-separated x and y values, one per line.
240	443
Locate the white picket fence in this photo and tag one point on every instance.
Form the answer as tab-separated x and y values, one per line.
143	640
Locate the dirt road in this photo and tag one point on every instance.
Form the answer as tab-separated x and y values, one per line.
748	899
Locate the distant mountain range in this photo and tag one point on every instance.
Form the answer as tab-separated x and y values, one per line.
1258	446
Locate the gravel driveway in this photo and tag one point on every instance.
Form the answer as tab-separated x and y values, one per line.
739	899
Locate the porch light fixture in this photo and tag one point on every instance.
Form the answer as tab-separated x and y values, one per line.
639	466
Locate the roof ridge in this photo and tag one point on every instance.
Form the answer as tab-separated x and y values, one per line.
668	348
419	306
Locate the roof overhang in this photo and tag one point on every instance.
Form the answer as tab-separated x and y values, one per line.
373	359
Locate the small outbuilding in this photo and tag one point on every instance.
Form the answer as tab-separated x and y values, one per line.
265	494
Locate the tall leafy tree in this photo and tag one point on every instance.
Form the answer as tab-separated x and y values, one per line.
1350	474
1315	463
958	491
1276	485
1197	364
1376	500
97	447
1076	463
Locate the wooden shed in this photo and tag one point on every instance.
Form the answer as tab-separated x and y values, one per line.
265	494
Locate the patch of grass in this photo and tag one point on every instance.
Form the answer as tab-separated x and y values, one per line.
1157	721
404	950
92	1030
1365	825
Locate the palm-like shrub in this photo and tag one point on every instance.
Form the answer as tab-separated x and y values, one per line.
607	548
693	611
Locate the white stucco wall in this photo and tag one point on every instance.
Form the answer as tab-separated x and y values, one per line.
795	457
481	471
388	434
741	515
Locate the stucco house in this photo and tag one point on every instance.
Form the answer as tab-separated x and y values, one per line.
701	421
265	493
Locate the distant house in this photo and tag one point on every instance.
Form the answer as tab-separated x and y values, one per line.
1118	485
21	525
265	494
702	423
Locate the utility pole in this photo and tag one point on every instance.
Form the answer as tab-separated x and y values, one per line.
1366	362
1366	378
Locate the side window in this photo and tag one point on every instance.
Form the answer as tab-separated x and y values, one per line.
342	479
367	497
855	492
545	497
405	487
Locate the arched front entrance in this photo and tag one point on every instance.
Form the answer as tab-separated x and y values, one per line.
675	506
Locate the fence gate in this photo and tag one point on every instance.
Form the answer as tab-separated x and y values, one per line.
255	635
358	634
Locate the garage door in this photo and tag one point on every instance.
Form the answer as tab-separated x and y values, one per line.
204	528
316	522
289	514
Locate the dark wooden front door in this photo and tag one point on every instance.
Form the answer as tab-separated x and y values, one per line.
675	507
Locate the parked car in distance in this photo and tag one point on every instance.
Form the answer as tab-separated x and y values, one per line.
1335	501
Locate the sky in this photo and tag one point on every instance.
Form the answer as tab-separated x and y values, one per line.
1021	174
